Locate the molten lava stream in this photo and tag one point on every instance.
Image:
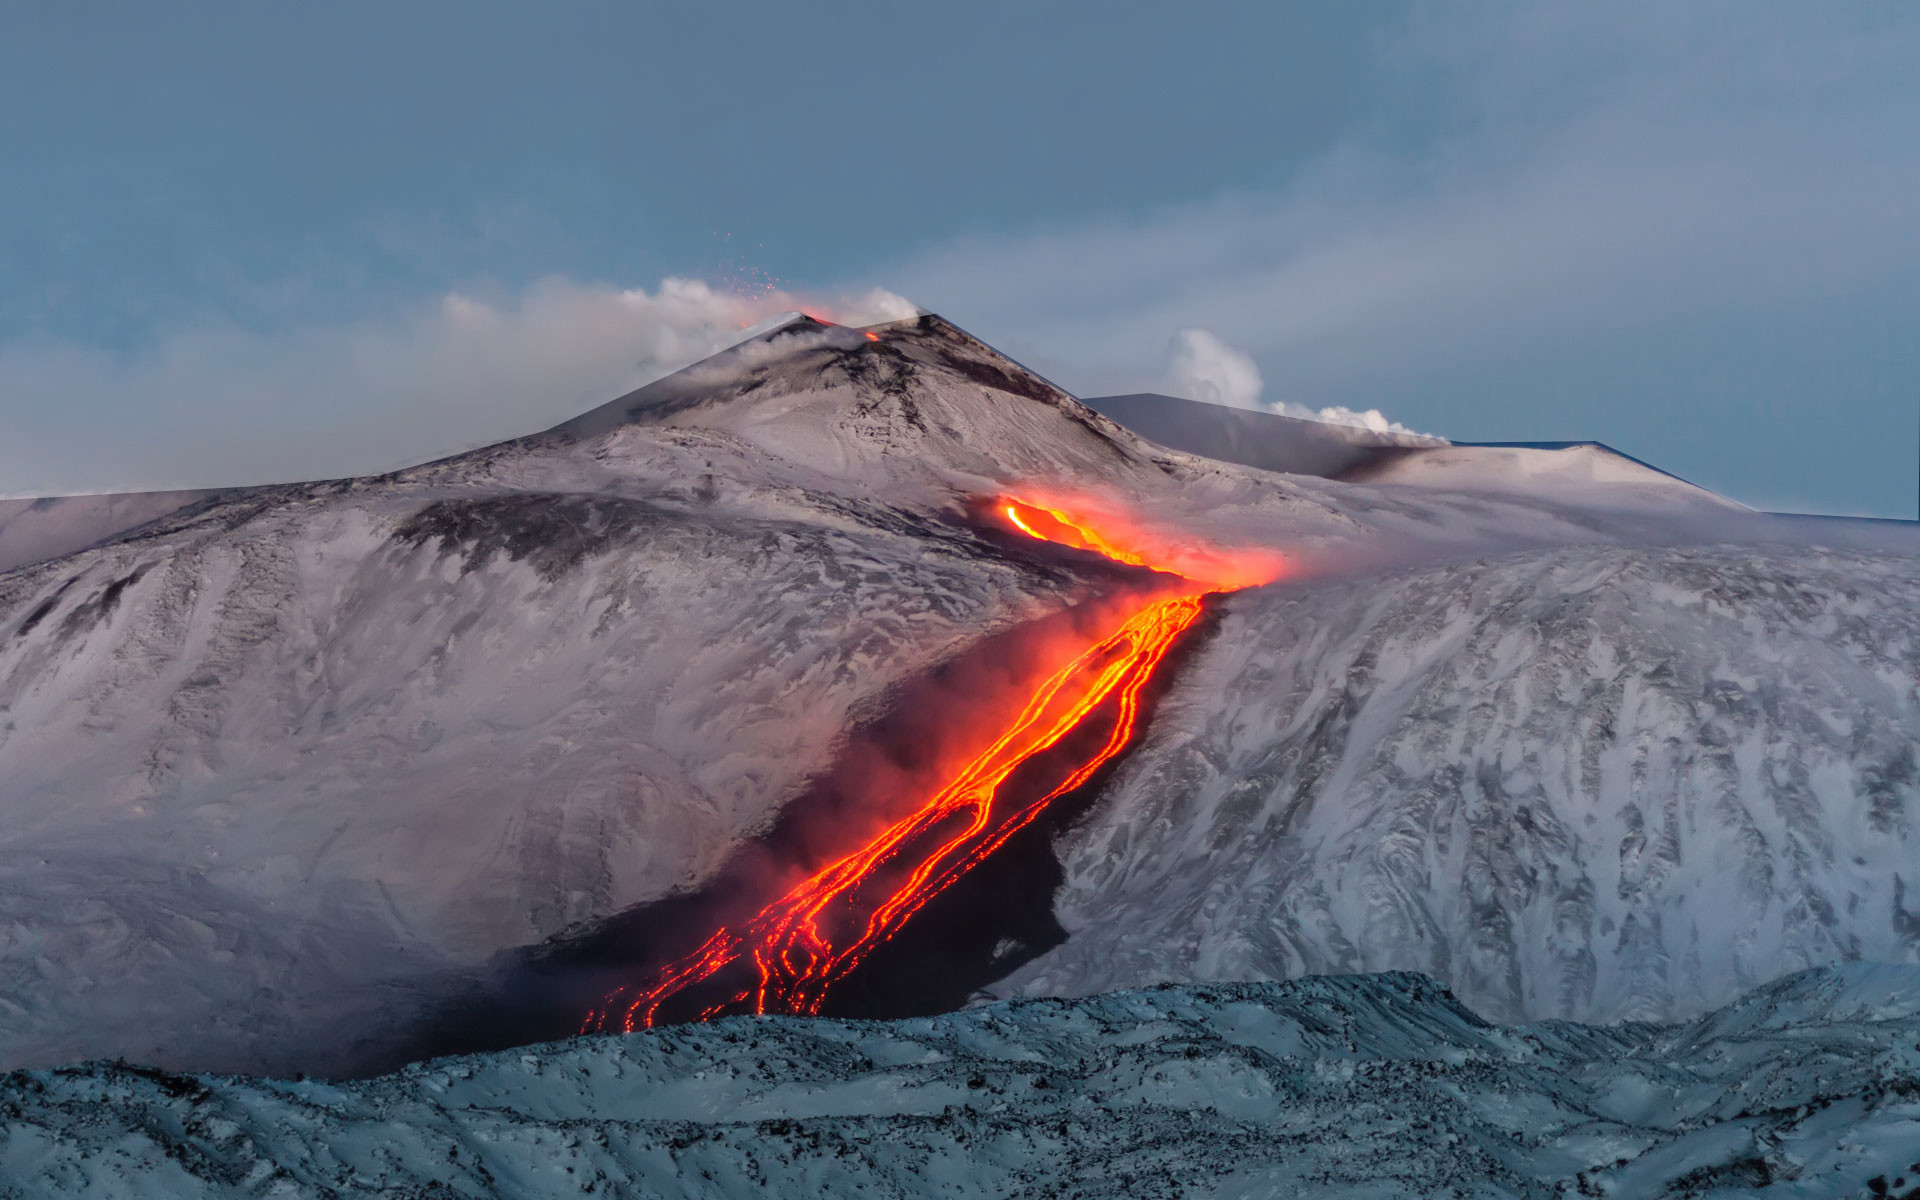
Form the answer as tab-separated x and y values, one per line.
785	957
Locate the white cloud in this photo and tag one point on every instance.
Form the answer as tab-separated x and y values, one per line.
1202	367
1339	414
226	406
876	306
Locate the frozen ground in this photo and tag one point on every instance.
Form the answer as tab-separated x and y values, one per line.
1369	1086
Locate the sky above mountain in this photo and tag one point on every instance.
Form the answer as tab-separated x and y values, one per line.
265	242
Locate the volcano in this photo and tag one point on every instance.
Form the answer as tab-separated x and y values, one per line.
288	763
289	771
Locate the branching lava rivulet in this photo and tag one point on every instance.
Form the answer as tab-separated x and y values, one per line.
785	957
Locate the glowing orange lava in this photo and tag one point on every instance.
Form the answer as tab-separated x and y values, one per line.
1210	566
1052	525
786	956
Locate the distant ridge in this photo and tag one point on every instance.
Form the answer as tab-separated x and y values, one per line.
35	529
1265	440
1580	444
1298	446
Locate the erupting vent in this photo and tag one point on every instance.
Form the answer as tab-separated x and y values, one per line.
785	957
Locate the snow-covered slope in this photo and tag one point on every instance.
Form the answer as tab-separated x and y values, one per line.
1361	1086
282	768
1594	783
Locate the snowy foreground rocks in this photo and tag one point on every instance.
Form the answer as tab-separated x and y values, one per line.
1379	1085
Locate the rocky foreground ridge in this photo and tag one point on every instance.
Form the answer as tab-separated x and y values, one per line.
1372	1085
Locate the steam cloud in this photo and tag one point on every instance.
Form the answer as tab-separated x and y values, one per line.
217	407
1200	366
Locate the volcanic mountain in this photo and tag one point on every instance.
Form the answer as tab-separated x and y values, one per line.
284	769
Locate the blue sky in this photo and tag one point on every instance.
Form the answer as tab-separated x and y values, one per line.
274	241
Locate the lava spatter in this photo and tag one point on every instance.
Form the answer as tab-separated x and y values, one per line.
788	955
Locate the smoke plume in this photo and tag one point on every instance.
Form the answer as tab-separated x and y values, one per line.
1201	366
224	406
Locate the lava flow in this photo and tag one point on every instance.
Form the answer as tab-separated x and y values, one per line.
785	957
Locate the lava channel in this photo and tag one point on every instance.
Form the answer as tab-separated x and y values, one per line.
785	957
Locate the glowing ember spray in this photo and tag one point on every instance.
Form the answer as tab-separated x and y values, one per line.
785	957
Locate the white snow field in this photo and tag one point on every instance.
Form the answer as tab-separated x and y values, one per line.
280	768
1597	783
1370	1086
